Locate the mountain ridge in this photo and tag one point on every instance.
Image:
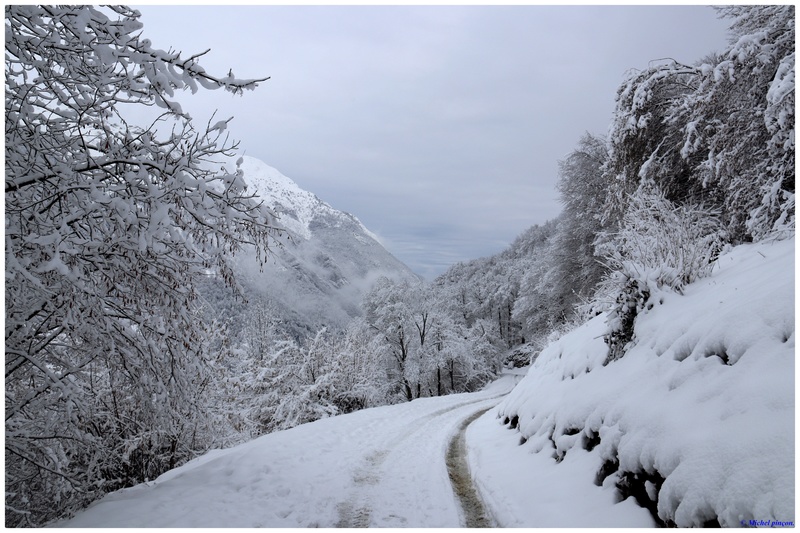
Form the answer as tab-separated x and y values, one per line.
280	190
317	277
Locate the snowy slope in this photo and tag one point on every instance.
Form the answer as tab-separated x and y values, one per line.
696	421
381	467
324	263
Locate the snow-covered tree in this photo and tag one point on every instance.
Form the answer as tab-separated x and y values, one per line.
541	306
360	377
575	268
644	143
719	132
300	382
739	123
525	263
259	329
486	289
107	225
430	346
390	310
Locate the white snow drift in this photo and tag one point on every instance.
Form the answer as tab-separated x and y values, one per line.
704	402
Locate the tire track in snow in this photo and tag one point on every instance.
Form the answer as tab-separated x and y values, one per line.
356	510
472	506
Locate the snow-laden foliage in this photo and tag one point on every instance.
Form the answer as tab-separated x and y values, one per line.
743	118
660	241
644	143
540	305
720	131
575	269
272	381
107	224
660	247
429	349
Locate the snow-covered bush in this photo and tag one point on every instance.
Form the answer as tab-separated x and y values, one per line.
273	382
660	247
360	379
285	385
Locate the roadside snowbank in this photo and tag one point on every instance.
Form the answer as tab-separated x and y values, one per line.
696	421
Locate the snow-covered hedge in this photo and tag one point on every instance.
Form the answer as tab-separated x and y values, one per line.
696	421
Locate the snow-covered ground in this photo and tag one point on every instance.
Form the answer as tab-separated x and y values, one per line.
381	467
697	417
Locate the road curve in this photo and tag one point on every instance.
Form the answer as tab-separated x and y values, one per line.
406	482
380	467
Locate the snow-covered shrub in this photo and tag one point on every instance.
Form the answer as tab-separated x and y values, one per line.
274	382
660	247
291	385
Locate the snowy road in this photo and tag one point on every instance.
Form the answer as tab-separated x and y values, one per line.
674	406
382	467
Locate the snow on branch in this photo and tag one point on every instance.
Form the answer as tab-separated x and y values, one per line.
108	227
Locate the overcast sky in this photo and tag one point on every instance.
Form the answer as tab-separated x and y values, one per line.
440	128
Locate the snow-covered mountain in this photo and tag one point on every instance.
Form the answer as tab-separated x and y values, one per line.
325	261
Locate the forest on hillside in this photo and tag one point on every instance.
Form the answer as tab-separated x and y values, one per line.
126	358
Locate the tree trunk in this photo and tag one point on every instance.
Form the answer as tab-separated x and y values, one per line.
407	390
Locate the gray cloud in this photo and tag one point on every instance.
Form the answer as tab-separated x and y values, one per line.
439	127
